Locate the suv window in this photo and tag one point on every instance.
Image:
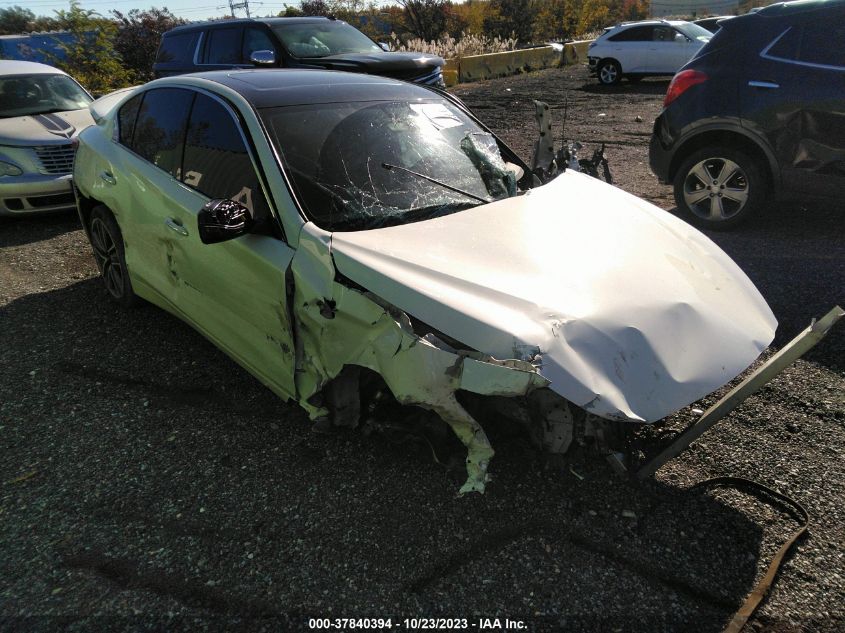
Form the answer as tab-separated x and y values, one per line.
178	48
216	162
256	40
160	128
223	46
634	34
814	43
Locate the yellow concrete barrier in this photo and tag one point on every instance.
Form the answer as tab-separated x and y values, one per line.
475	67
576	52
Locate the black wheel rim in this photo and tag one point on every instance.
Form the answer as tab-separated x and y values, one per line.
108	258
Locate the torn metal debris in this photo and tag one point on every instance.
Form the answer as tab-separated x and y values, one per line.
548	163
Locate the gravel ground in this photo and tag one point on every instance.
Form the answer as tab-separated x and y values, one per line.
148	483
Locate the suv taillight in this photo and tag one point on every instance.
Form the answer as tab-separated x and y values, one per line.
681	82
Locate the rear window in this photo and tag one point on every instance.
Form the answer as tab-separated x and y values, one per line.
177	48
634	34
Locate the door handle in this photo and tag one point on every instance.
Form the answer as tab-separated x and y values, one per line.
770	85
175	225
107	176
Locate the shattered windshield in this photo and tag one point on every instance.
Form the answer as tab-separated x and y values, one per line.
324	38
364	165
39	94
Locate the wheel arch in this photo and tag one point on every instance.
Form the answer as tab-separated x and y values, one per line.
611	59
84	207
739	140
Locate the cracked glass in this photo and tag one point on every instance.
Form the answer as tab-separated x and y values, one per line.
365	165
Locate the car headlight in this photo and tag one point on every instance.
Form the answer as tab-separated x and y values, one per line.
8	169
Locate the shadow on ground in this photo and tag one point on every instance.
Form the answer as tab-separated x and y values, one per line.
163	478
26	230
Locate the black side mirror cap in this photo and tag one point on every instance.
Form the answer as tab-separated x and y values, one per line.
222	220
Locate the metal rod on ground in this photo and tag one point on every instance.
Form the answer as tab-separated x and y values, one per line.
775	365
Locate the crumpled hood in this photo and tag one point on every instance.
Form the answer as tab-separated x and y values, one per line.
44	129
379	63
634	313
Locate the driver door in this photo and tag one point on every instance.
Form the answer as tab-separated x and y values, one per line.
233	292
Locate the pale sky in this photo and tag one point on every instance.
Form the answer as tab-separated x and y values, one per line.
188	9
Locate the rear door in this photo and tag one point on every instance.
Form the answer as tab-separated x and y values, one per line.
151	128
630	47
795	96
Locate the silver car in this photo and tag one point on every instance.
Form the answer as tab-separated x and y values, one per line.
42	109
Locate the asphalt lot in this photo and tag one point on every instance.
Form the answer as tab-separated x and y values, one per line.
148	483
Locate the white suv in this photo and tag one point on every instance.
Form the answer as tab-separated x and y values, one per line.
637	49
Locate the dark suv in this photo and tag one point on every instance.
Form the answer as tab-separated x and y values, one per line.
759	111
314	42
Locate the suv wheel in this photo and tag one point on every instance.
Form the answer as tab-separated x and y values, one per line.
107	244
609	72
719	187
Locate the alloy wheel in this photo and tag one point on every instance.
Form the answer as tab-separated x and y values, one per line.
108	257
716	189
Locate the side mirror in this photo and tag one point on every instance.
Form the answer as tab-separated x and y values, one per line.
681	38
384	46
263	58
222	220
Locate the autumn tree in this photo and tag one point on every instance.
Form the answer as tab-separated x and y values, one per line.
138	36
556	20
90	56
512	17
594	15
15	20
471	15
424	18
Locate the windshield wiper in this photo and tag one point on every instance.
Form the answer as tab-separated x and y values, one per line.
390	167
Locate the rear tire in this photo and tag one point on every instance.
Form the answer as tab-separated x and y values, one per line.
107	244
609	72
719	187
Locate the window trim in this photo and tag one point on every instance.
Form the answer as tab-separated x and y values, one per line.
765	55
251	152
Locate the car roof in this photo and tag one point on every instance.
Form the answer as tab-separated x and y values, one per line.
16	67
799	6
273	87
271	21
651	23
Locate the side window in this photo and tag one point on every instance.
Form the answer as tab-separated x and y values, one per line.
216	161
177	48
824	42
813	43
126	120
634	34
256	40
663	34
787	46
160	129
223	46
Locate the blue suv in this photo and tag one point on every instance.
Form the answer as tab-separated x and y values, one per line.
759	112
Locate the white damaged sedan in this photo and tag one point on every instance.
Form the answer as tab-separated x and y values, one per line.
331	230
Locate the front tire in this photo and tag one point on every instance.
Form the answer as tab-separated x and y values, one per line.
609	72
107	244
719	187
